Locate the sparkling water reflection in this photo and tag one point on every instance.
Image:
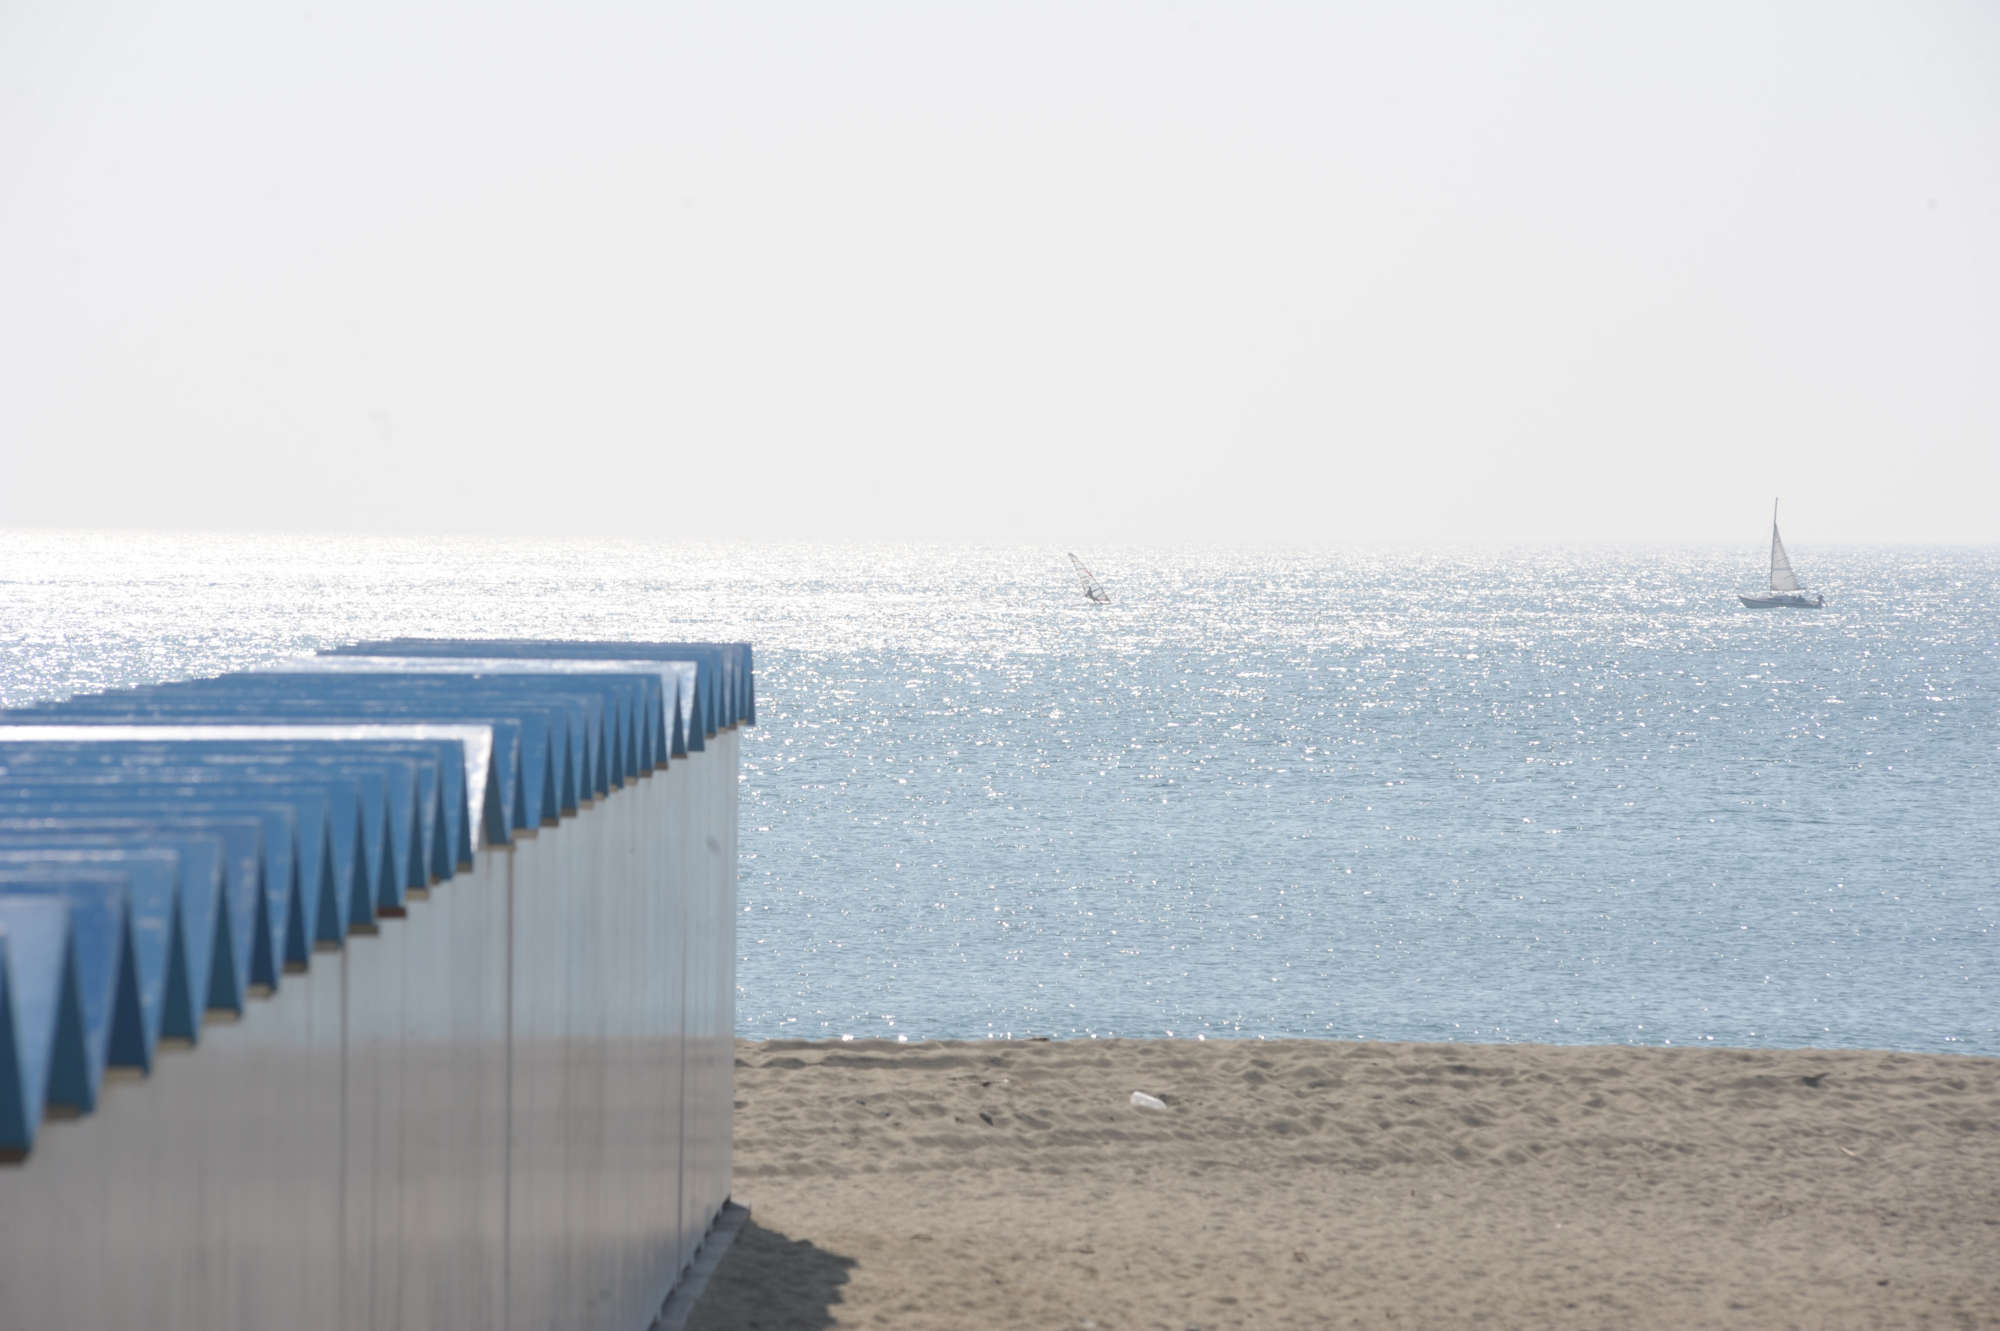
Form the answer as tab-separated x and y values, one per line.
1547	795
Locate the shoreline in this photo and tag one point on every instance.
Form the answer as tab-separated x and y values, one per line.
1311	1183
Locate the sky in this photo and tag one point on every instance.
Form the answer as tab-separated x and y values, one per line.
1083	272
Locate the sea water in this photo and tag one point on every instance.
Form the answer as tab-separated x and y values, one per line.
1551	795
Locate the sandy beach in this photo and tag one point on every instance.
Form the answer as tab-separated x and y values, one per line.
1330	1184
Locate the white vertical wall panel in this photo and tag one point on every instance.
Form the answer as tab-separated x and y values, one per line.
204	1196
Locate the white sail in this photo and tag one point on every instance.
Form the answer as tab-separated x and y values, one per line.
1782	577
1091	588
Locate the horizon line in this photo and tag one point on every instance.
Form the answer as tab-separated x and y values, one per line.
9	527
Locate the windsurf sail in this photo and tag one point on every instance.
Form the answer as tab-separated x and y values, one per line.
1092	588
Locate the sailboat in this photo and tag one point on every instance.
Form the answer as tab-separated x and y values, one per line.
1786	589
1092	588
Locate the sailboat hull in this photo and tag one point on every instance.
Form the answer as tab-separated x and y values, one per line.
1781	602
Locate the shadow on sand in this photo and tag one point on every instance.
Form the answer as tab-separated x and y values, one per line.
769	1282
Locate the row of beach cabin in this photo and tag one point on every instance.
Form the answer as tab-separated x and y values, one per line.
387	988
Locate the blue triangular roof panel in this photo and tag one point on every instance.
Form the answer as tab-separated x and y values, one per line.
159	942
46	1010
239	909
198	868
110	981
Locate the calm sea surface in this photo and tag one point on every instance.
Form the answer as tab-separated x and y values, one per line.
1551	795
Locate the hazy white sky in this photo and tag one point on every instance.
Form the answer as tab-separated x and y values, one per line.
1082	272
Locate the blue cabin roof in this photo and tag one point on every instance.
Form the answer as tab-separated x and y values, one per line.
176	849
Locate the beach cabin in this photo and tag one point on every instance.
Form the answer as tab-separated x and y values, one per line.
391	987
